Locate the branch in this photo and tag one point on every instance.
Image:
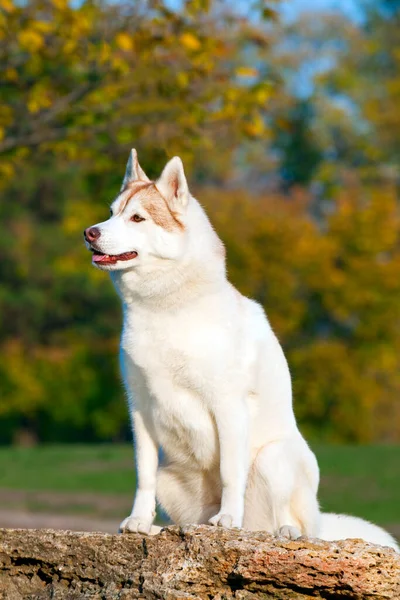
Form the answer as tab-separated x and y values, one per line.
194	563
31	140
62	103
38	136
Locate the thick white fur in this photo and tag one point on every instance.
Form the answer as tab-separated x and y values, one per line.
334	527
208	383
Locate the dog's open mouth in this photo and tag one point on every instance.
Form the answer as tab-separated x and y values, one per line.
111	259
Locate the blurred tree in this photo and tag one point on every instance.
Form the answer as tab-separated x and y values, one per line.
83	82
300	153
80	79
332	293
359	95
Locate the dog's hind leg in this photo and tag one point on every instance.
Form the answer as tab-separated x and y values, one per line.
281	494
188	495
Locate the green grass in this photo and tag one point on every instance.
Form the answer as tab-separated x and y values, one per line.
104	469
360	480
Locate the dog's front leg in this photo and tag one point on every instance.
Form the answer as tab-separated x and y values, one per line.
232	426
146	453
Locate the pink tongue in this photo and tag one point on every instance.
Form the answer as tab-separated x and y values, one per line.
112	259
100	258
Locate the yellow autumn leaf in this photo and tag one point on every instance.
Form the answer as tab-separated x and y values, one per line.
190	41
182	80
6	172
38	100
255	128
30	40
69	46
10	74
124	42
42	26
120	65
104	53
262	95
60	4
33	106
246	72
7	5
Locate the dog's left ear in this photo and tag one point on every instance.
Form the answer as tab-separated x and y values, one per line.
173	185
134	171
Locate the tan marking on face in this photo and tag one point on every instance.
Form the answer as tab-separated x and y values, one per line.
129	191
153	203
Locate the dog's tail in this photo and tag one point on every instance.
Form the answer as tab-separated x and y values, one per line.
340	527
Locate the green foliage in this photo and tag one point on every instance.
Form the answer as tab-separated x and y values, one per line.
300	153
332	293
83	80
81	83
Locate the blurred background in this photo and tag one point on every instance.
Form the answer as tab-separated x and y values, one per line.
287	117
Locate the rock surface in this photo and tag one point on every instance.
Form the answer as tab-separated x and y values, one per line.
191	563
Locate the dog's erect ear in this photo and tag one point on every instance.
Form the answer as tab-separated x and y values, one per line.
134	171
173	185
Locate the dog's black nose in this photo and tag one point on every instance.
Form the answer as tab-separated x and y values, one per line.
91	234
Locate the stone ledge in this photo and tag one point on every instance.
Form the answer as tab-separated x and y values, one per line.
191	563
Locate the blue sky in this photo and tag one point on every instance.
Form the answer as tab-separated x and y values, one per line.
351	8
291	8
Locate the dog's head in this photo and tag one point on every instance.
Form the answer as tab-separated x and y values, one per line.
147	220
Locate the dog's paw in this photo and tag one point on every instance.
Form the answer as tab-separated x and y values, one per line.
289	532
136	525
224	520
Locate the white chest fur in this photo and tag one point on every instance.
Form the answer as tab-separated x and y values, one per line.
168	364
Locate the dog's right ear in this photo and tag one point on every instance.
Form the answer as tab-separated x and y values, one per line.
134	171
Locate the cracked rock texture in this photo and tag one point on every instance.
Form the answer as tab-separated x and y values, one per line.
191	563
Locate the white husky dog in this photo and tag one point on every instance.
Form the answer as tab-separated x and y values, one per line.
206	377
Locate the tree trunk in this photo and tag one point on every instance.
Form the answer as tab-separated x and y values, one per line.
191	563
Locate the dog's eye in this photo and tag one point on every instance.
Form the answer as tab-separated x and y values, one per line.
137	218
